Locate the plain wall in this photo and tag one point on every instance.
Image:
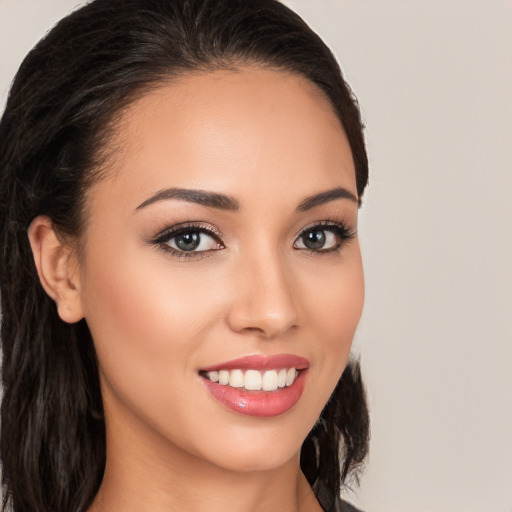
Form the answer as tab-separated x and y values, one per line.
434	80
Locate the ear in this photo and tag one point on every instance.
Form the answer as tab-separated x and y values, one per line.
57	268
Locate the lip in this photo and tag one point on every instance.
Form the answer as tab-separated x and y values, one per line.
259	403
261	362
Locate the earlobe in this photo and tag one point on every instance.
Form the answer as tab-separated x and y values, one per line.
57	268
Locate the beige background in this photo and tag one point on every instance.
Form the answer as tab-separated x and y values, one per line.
434	79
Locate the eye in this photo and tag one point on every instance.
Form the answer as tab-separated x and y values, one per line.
193	241
189	241
323	237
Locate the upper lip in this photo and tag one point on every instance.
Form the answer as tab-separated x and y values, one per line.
261	362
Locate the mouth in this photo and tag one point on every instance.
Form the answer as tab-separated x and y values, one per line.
257	385
253	380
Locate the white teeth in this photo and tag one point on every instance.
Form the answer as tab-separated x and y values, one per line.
290	376
255	380
269	380
281	378
224	377
213	376
236	379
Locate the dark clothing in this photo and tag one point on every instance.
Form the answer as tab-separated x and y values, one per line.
345	506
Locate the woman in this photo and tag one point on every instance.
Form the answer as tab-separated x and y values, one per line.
181	277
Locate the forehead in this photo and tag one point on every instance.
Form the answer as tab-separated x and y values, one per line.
241	132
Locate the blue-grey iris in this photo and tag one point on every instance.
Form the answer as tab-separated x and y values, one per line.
188	241
314	239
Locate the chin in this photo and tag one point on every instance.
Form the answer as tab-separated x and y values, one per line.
250	461
258	449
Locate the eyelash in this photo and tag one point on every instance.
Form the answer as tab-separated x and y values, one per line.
339	229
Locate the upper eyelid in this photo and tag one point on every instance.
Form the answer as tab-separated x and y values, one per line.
326	224
321	223
176	229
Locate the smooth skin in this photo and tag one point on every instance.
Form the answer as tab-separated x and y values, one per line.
268	139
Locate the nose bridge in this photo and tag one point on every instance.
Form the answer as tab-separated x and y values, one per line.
264	300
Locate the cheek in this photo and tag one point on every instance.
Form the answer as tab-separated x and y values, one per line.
334	308
336	298
149	318
343	305
145	319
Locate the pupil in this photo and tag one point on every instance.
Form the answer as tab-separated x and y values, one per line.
314	239
188	241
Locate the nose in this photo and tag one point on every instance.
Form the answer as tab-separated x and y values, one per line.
264	301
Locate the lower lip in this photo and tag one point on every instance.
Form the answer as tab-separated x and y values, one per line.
258	403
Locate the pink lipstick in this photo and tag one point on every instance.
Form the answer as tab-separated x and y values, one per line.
257	385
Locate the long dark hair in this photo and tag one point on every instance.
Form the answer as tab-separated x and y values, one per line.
57	123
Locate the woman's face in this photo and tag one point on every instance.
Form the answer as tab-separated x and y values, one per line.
223	236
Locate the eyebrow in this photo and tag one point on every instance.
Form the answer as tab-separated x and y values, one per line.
211	199
225	202
324	197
